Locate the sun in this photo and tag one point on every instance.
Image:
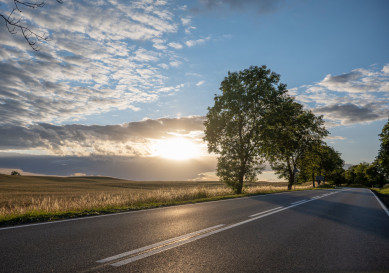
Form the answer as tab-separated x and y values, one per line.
176	148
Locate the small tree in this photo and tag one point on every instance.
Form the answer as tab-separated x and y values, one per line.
383	153
15	173
375	174
350	175
233	125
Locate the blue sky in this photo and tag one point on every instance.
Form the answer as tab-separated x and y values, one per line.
118	78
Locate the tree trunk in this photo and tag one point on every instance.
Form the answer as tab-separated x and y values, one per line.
291	177
291	181
313	179
240	184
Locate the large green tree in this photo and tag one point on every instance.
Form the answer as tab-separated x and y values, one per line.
383	154
291	132
233	125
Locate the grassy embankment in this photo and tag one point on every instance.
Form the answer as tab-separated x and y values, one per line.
383	194
25	199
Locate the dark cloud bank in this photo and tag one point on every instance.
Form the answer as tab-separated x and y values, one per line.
57	139
133	168
99	140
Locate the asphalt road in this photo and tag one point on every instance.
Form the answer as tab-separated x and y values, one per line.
344	230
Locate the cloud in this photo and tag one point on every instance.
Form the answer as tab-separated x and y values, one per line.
200	83
349	113
129	139
133	168
103	56
360	96
185	21
261	6
191	43
357	81
175	45
385	69
335	138
206	176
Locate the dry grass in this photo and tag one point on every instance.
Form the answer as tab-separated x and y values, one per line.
43	198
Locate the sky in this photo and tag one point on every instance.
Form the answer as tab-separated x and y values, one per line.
122	87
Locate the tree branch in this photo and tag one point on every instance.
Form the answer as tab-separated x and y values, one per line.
13	23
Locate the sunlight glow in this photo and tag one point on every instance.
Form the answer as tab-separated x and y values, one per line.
176	148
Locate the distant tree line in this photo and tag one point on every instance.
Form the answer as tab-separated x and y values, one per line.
376	173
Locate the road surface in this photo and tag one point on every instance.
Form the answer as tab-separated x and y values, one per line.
342	230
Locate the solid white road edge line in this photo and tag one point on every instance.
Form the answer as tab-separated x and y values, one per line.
379	201
189	240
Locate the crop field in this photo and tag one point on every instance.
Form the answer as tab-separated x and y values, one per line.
39	198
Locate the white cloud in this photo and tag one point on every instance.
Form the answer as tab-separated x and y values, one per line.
191	43
175	63
335	137
200	83
385	69
185	21
103	55
357	81
360	96
175	45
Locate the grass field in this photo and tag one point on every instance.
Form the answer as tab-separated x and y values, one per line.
42	198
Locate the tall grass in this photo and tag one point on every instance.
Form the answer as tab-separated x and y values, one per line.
48	207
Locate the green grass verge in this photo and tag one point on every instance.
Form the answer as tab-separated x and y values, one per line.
383	195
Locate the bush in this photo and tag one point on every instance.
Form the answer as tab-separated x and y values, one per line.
326	186
15	173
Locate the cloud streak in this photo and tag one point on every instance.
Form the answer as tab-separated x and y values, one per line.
261	6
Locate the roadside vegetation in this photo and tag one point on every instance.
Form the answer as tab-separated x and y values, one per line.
383	194
375	174
26	199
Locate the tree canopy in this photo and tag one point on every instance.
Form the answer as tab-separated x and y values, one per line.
383	153
321	160
291	132
233	125
254	120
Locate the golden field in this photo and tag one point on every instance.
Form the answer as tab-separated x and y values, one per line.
35	198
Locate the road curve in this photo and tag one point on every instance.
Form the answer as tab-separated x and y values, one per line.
342	230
